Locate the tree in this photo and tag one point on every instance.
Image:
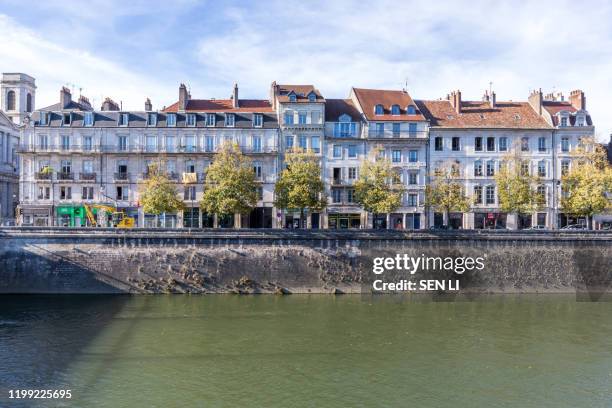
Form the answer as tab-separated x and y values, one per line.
230	186
158	194
378	189
588	181
516	187
300	185
446	193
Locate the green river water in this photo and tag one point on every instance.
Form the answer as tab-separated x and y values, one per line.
307	351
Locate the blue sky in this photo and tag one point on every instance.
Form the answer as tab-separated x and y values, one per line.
130	50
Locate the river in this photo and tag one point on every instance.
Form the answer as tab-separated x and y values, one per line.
307	351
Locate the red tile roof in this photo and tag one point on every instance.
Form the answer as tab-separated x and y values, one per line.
334	108
301	92
554	107
369	98
479	114
224	105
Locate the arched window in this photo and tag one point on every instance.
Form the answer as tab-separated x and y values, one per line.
411	110
395	110
10	101
29	103
378	110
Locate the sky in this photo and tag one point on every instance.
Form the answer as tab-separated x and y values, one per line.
131	50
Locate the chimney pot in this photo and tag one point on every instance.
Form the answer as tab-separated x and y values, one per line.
148	105
183	98
493	100
577	99
235	100
65	97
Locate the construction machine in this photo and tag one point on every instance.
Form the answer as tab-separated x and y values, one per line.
119	219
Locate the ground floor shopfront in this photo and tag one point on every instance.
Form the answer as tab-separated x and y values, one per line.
493	219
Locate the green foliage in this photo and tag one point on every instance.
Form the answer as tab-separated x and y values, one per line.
587	181
378	189
446	193
230	186
46	170
517	189
300	185
158	193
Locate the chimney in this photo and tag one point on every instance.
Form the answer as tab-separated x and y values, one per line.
577	99
235	96
148	105
65	97
84	102
485	97
492	100
455	100
109	105
183	98
535	100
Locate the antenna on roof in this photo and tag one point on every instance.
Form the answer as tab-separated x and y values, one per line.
490	87
80	91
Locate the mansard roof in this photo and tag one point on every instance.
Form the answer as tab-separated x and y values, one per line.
480	114
334	108
224	105
554	107
369	98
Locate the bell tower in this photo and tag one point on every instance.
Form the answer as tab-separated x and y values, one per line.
17	96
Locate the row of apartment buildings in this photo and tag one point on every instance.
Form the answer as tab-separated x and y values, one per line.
73	154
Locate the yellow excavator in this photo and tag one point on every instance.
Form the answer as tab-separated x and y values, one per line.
118	218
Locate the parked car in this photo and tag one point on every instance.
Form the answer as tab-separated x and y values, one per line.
574	227
536	227
439	227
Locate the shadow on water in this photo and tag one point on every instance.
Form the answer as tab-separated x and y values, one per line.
41	335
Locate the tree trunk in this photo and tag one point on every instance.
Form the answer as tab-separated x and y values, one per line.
445	217
302	225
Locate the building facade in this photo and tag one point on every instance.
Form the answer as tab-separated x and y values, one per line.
9	169
17	96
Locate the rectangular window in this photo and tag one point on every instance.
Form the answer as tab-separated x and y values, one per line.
66	166
438	144
44	193
413	178
350	195
289	118
477	194
412	200
257	120
503	144
44	118
336	195
490	168
122	193
191	119
189	193
352	151
257	170
190	144
315	144
65	142
88	119
477	168
525	144
303	142
563	121
151	143
289	142
152	119
43	142
380	129
257	144
456	146
302	117
478	144
337	151
565	144
171	120
65	193
87	166
542	144
542	169
87	143
170	144
413	156
541	191
122	143
124	119
230	120
352	173
490	144
396	156
565	165
211	119
412	129
87	193
67	118
210	143
396	129
525	168
490	192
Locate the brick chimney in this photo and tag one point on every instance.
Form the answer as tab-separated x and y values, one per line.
183	98
148	105
455	100
492	100
109	105
65	97
535	100
235	96
577	99
84	102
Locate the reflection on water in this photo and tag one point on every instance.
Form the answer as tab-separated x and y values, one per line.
268	351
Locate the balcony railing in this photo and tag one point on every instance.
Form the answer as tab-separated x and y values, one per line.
402	134
43	176
334	181
171	175
122	176
87	177
65	175
38	148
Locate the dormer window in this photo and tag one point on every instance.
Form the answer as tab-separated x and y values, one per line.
152	119
210	119
88	119
312	97
411	110
230	120
171	120
563	121
580	120
257	120
124	119
191	119
66	119
395	110
44	119
292	97
379	110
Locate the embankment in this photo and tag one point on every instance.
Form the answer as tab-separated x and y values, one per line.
58	260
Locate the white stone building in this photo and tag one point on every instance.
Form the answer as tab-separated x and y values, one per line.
17	95
9	169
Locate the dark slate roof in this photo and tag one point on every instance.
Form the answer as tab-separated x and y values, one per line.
138	119
73	105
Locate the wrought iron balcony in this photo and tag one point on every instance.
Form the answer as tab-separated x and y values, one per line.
87	177
122	176
43	175
65	175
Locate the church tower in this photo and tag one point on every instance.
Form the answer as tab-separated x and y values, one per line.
17	96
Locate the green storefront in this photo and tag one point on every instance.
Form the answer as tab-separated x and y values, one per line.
72	216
